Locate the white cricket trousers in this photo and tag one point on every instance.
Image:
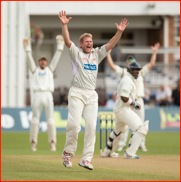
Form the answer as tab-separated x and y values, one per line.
126	117
43	100
81	101
141	114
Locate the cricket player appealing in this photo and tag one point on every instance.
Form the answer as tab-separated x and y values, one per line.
82	98
125	116
43	86
140	89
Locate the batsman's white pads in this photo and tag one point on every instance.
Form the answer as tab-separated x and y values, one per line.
117	139
144	128
60	42
134	143
27	44
137	105
51	130
34	129
137	138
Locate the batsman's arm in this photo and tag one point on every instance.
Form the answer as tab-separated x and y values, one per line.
57	55
153	57
30	61
117	36
65	32
129	101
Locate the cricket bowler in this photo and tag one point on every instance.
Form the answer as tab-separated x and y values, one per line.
82	98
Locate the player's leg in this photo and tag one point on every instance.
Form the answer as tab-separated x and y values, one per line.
134	122
115	136
122	142
49	109
75	107
37	107
141	114
90	117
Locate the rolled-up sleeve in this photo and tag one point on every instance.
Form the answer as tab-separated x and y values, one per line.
73	51
125	89
145	70
119	70
101	53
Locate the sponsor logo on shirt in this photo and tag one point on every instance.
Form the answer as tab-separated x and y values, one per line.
90	67
83	58
94	59
42	73
125	91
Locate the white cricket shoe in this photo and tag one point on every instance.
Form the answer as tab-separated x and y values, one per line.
52	146
86	164
120	148
106	153
126	156
143	148
33	146
67	160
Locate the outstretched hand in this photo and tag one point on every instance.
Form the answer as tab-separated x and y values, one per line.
121	27
155	47
26	41
63	18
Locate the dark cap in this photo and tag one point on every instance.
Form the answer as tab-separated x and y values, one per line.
42	58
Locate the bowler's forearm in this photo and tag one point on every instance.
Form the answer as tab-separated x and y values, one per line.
113	41
66	35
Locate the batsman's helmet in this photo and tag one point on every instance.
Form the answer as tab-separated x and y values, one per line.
134	65
130	58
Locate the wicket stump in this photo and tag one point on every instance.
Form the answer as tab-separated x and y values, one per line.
106	128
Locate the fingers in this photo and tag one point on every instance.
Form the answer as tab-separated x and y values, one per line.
157	44
127	24
69	18
124	21
116	24
62	13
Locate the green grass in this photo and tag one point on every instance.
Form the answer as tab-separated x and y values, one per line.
166	143
18	163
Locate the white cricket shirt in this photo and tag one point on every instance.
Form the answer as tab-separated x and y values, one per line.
43	80
126	88
85	66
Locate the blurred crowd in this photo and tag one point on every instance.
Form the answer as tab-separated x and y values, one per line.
164	96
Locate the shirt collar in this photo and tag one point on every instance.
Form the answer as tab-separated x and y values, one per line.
92	50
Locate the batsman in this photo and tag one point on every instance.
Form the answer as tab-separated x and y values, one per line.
125	116
140	88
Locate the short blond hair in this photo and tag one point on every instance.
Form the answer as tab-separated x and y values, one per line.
84	35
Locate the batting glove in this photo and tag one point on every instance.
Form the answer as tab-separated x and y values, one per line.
60	42
136	105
